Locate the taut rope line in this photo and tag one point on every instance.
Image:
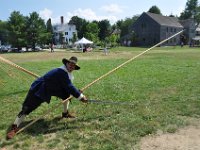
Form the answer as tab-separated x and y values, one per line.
103	76
18	67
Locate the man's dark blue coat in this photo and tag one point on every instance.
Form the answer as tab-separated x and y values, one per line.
54	83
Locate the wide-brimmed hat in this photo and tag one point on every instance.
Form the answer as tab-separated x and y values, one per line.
73	60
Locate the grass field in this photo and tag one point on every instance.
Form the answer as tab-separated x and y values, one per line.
162	86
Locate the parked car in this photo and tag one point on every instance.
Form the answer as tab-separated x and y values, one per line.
37	48
4	49
14	49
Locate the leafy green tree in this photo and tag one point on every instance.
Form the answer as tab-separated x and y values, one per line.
190	9
50	31
126	25
74	38
171	15
197	15
80	25
3	32
36	30
92	31
61	38
154	9
113	39
105	29
16	27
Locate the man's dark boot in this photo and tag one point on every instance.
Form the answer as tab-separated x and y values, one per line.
67	115
12	132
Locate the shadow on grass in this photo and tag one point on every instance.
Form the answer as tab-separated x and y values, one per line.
43	126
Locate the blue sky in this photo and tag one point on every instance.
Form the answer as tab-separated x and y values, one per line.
112	10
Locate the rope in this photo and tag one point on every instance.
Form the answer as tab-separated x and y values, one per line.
18	67
93	82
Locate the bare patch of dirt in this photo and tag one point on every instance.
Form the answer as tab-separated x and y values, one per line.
187	138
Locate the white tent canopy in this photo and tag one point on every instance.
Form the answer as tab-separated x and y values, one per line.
83	41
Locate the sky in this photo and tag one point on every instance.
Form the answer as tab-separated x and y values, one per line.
112	10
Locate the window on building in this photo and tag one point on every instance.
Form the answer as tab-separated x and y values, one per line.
167	30
197	33
174	29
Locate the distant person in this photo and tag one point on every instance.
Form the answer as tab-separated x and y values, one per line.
182	44
57	82
52	47
85	49
105	50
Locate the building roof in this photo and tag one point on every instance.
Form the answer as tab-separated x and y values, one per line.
164	20
62	27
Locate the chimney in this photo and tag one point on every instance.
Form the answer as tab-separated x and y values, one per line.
62	19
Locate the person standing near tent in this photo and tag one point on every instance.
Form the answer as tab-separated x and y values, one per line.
51	47
105	49
57	82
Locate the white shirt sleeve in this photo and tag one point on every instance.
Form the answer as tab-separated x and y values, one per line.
81	96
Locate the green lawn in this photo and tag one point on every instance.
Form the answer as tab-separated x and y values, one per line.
162	85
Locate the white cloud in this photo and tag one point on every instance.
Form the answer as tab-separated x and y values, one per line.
90	15
87	14
45	14
112	8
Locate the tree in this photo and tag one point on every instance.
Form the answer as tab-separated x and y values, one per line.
80	25
126	25
190	9
61	38
197	15
74	38
3	33
16	27
92	31
50	31
113	39
105	29
154	9
171	15
36	30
